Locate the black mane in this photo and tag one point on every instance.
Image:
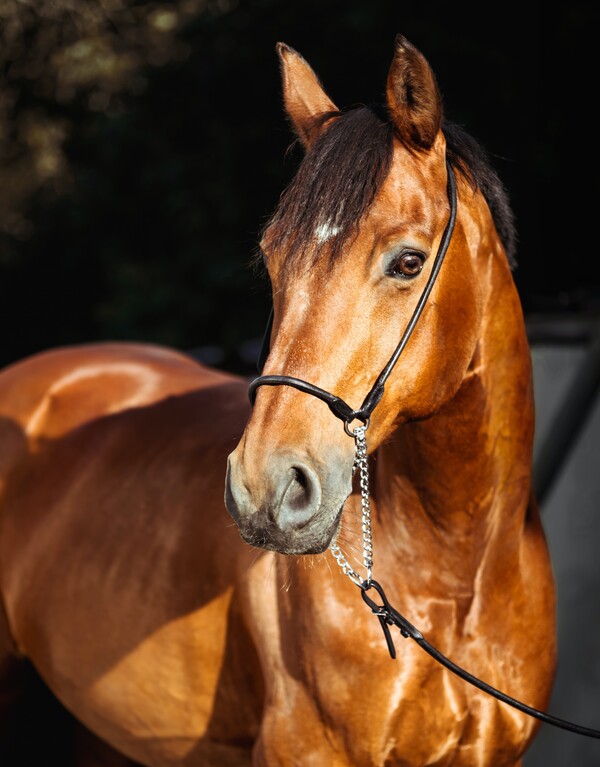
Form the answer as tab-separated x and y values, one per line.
340	176
469	158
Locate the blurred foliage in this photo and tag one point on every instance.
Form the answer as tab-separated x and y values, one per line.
64	57
143	144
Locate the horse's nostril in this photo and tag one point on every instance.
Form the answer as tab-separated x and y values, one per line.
300	499
298	490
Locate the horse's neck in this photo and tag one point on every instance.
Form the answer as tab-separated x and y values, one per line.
447	488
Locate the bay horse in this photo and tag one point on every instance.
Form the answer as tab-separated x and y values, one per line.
137	598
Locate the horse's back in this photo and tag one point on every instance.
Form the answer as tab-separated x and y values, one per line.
109	424
54	391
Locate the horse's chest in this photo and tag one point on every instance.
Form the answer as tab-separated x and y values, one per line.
398	713
354	705
333	687
406	716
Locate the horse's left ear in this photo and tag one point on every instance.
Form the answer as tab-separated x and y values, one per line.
303	95
413	96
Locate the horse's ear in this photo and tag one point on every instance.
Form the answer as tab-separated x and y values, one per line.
303	96
413	96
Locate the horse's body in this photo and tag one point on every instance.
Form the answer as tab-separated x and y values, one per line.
125	582
99	589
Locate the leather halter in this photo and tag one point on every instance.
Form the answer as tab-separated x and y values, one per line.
337	405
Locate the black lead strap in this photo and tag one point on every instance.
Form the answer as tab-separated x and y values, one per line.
389	616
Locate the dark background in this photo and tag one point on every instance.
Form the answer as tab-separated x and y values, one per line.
140	220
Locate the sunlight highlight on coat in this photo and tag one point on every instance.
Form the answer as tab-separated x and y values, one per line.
137	384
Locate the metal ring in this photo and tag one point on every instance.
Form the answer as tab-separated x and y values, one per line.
353	433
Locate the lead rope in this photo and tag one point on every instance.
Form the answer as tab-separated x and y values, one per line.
389	616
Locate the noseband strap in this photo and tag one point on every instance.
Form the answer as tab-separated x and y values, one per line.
337	405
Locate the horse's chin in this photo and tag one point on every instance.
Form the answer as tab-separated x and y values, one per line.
314	538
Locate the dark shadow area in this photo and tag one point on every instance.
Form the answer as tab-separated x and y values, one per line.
37	727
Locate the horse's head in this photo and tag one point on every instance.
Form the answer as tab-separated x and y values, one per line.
349	251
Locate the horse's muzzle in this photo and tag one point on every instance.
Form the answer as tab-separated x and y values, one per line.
290	509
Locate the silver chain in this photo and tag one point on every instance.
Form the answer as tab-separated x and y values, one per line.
361	463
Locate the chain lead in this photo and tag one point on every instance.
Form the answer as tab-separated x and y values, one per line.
361	462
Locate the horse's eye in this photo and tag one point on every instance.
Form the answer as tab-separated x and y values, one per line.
407	264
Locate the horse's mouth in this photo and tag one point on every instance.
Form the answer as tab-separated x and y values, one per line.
313	538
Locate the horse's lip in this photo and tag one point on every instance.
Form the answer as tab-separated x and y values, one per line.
303	541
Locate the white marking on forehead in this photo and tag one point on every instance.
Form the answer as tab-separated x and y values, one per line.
301	299
326	231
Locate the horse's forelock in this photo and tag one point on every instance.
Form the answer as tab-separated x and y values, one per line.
340	176
334	186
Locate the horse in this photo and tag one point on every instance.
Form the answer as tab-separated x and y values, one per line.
166	544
